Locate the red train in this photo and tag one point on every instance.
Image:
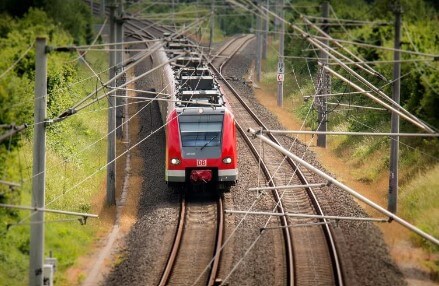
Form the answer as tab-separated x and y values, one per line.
200	130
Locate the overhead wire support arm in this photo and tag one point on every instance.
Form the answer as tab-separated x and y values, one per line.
128	64
29	208
356	106
67	49
298	216
10	184
368	68
349	20
374	98
324	48
15	130
342	186
171	100
349	133
409	52
127	83
288	187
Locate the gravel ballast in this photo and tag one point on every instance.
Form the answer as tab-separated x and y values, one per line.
249	257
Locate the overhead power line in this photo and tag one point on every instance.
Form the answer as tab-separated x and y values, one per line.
348	20
367	68
349	133
434	56
29	208
15	130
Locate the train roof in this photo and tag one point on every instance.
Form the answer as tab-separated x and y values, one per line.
189	61
194	71
197	90
193	110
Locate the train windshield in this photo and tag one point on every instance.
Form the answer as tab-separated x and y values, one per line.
201	130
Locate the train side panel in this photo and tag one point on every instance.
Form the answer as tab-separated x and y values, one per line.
228	172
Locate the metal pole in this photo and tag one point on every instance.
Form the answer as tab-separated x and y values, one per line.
173	13
276	21
265	38
374	98
281	64
119	68
324	85
102	8
212	23
111	145
349	133
319	44
394	144
301	162
258	47
39	166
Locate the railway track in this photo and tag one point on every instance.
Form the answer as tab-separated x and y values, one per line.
226	52
312	257
197	242
144	29
195	255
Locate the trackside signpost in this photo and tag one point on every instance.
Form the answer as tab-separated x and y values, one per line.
280	67
280	71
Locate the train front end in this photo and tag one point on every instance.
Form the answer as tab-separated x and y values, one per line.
201	147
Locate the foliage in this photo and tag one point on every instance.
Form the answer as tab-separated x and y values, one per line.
17	86
73	15
419	210
69	158
419	84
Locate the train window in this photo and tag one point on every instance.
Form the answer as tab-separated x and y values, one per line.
201	130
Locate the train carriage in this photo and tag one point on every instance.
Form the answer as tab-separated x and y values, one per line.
200	129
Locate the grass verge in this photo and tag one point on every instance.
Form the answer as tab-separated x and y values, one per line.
74	157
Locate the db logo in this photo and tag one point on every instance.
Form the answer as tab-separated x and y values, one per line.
201	163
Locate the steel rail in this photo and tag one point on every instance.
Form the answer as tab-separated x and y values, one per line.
221	51
337	269
214	265
177	242
283	220
264	167
224	47
240	46
139	30
147	29
171	262
219	243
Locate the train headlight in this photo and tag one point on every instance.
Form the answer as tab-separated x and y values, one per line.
227	160
175	161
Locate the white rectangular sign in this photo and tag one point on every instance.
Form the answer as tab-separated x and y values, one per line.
280	77
280	67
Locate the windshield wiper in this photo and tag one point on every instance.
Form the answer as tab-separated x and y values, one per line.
209	142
